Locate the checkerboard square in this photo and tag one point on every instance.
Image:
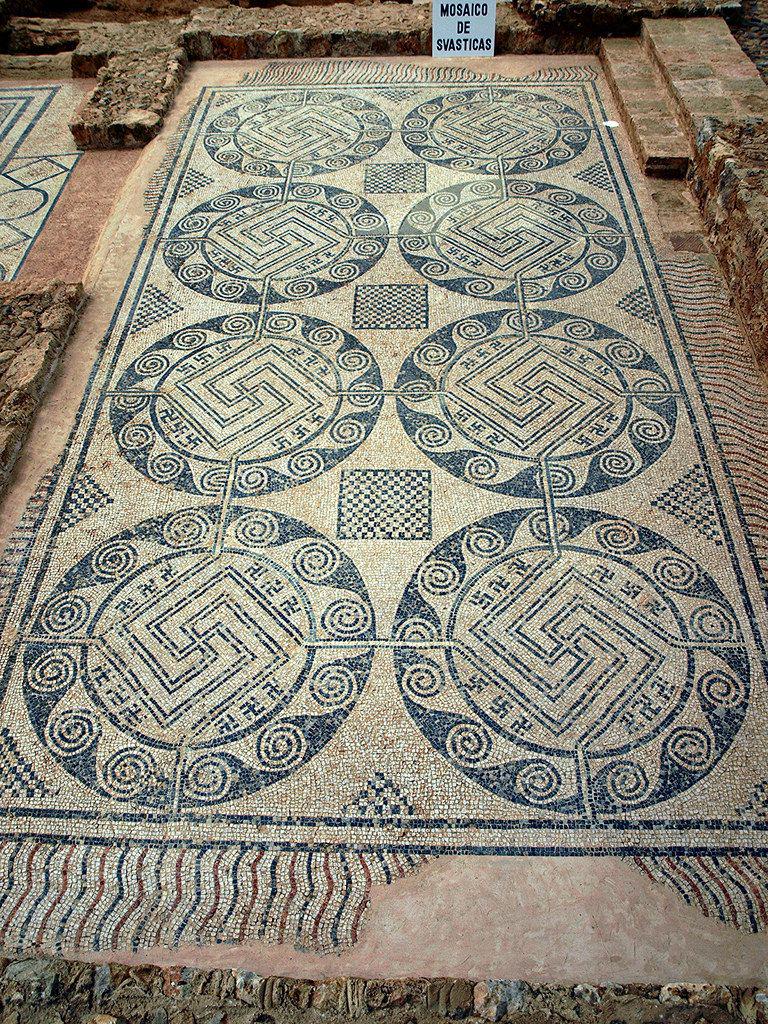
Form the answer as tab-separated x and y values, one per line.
395	178
385	504
391	307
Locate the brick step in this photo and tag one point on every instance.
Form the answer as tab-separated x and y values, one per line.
705	71
657	140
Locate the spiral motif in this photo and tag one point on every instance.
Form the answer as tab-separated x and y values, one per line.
302	288
690	748
135	436
305	464
130	403
573	281
190	338
469	330
468	744
721	690
562	479
209	778
354	360
316	561
281	323
347	431
252	479
626	782
537	781
151	364
280	746
64	614
650	431
165	467
238	324
193	224
676	573
229	291
484	541
55	670
438	577
222	204
415	630
624	352
343	272
258	529
188	528
346	617
214	480
423	680
478	286
432	435
325	335
114	560
333	686
481	468
130	773
432	354
617	464
617	535
72	732
711	622
579	330
194	273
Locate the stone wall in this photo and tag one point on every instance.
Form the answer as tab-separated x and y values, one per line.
58	992
35	322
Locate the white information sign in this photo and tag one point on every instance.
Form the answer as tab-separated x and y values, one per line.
463	29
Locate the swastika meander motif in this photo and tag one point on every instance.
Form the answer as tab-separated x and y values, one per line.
314	132
597	670
546	403
251	406
492	131
188	661
285	241
495	241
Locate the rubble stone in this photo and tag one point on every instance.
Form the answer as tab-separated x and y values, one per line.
35	321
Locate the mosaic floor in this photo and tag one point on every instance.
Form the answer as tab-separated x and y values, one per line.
37	155
394	524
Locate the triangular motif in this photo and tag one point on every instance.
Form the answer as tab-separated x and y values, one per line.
597	175
154	307
689	499
380	799
84	499
638	304
18	778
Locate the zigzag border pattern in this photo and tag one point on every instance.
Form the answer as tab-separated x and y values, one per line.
314	900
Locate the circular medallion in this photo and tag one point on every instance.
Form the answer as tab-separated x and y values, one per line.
555	404
315	132
290	241
182	661
497	242
496	131
248	405
599	669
